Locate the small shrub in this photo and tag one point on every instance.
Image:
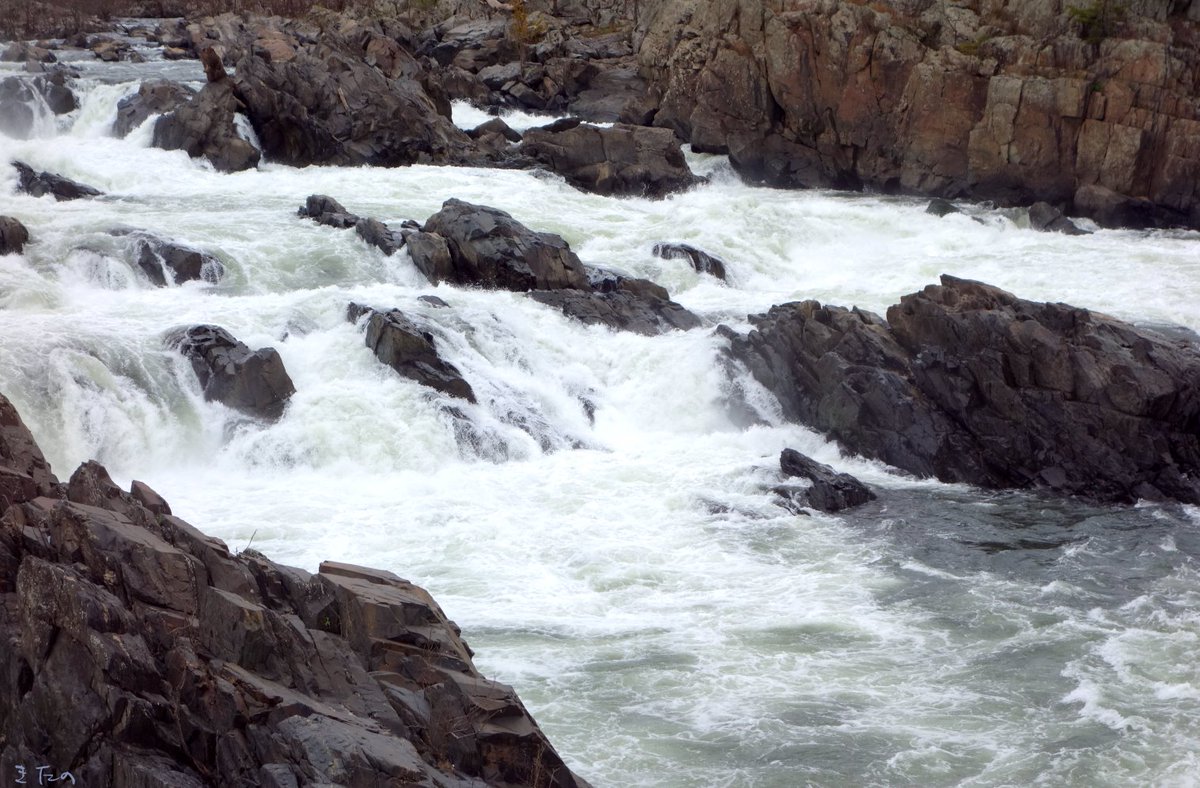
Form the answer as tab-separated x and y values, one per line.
1098	19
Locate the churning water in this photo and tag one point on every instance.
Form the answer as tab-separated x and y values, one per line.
667	623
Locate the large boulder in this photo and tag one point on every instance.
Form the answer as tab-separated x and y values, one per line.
140	651
488	247
39	184
968	383
13	235
206	126
622	160
153	97
327	107
402	345
251	381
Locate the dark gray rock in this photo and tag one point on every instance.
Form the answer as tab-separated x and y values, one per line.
13	236
252	381
488	247
328	211
206	128
702	261
1048	219
622	160
402	345
939	207
831	491
153	97
968	383
495	126
38	184
377	234
167	262
622	310
21	51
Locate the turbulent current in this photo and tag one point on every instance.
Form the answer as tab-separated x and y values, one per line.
665	620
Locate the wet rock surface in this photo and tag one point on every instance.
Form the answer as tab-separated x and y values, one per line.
39	184
623	310
206	126
252	381
488	247
153	97
166	262
622	160
13	235
968	383
831	491
401	344
702	261
142	652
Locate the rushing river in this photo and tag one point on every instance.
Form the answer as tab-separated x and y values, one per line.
665	620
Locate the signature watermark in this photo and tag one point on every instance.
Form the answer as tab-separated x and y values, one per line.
43	775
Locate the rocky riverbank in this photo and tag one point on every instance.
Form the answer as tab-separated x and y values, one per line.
141	652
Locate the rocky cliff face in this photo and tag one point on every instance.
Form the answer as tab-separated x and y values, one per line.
138	651
990	99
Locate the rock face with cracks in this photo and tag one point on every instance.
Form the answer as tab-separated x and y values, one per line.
139	651
968	383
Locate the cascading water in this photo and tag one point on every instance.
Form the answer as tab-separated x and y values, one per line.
665	620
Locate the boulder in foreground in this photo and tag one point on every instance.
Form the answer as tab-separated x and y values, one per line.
968	383
139	651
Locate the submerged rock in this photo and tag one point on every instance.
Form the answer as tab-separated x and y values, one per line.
702	261
831	491
1048	219
967	383
166	262
398	342
38	184
13	235
622	160
252	381
939	207
141	651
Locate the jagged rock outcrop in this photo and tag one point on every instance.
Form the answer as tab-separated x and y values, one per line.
251	381
153	97
488	247
402	345
13	235
622	160
39	184
701	260
830	491
139	651
167	262
968	383
325	210
1004	100
206	126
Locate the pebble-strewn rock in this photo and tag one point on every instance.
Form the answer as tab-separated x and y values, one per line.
968	383
252	381
139	651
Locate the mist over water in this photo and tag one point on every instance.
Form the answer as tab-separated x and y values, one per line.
633	577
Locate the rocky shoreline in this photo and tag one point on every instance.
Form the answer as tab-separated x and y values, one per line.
142	652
